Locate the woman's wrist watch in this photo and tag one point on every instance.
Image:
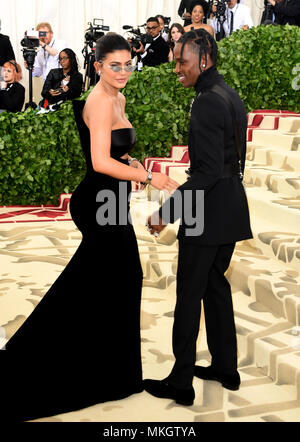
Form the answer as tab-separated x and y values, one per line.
148	179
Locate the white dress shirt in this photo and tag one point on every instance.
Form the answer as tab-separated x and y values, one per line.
44	62
241	17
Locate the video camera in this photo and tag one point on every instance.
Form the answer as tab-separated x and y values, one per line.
220	6
138	37
95	31
92	34
32	38
30	44
167	24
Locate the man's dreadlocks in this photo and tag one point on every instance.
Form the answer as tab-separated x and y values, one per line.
201	42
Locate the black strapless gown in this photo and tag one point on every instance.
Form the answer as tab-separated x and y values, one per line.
81	344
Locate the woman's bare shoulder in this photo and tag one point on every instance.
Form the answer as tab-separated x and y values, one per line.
208	28
97	103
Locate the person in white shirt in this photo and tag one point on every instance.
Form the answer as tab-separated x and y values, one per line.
156	52
237	16
47	56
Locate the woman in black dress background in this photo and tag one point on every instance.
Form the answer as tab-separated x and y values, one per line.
12	93
81	344
63	83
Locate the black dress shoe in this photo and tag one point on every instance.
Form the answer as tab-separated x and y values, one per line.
164	390
229	381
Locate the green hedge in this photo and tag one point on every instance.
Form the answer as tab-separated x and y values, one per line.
40	155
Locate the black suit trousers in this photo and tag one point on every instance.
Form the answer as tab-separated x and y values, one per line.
200	275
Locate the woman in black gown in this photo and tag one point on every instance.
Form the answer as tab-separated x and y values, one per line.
81	344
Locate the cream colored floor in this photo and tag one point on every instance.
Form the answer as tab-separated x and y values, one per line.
31	258
265	280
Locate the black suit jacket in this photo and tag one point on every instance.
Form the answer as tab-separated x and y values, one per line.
185	6
157	53
287	11
53	81
212	152
12	98
6	50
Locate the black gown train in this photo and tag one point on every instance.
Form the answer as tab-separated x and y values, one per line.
81	344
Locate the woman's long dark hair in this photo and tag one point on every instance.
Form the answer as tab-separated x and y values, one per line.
109	43
180	29
73	59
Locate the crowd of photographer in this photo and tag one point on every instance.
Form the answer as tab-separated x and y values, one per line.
50	58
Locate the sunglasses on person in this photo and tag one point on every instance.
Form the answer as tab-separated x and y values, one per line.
152	28
116	68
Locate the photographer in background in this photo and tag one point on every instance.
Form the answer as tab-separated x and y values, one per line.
47	56
12	93
237	16
63	83
157	52
286	11
6	49
162	26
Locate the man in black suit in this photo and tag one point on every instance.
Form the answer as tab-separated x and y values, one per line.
286	11
6	50
216	166
156	52
184	11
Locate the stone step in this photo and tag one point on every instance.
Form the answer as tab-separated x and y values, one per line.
289	124
272	284
286	160
275	180
263	337
276	139
275	209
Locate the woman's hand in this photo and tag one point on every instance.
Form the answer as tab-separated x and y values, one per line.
54	93
162	182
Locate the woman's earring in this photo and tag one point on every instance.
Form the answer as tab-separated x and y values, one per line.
204	65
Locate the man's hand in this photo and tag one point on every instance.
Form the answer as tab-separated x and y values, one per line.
273	2
187	15
65	88
141	49
245	27
155	224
